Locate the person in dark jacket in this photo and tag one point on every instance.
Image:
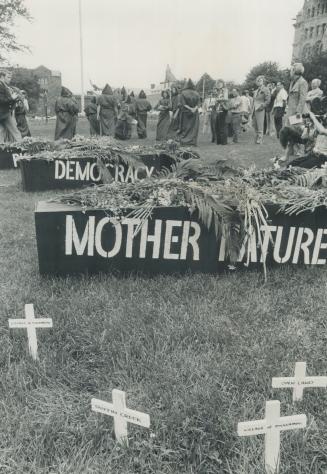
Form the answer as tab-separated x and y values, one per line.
107	111
164	106
189	106
8	127
66	108
20	114
91	115
221	111
142	107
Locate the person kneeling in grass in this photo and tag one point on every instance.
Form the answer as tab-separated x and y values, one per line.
318	155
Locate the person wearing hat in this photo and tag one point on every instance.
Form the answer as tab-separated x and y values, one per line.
107	112
190	122
8	128
21	110
142	107
66	109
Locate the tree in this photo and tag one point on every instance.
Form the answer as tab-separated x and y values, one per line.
10	10
25	79
270	70
316	68
208	82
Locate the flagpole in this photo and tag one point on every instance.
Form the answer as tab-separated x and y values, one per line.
81	54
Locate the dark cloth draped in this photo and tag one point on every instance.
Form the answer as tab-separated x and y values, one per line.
163	120
142	118
309	161
142	107
174	126
91	114
66	110
213	125
189	120
221	128
108	114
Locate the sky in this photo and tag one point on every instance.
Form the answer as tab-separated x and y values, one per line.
130	42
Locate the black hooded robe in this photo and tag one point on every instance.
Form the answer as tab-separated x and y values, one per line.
142	107
108	112
163	120
176	117
190	121
20	115
67	113
91	115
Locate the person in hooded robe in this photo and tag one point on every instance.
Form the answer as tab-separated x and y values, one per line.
8	127
107	111
21	110
175	120
142	107
123	129
189	106
123	94
164	107
91	115
66	109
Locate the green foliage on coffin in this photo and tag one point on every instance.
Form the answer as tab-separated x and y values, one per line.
233	208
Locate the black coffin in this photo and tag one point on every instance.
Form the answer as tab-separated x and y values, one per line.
9	158
72	240
40	174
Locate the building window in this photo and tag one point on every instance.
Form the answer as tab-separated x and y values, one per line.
306	53
323	28
317	48
313	12
306	33
311	32
43	81
309	12
317	30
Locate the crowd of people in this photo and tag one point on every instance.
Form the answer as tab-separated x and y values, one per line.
112	114
269	109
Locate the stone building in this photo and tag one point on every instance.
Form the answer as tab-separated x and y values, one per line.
50	86
310	26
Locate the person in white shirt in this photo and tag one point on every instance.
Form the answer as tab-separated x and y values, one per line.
246	109
235	108
209	114
279	107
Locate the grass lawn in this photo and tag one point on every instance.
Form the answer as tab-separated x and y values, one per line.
195	352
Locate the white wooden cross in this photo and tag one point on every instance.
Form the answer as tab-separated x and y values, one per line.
299	382
30	323
271	427
121	414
